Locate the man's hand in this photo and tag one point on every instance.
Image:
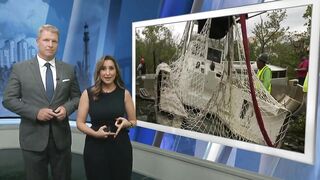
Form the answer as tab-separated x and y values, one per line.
60	113
45	114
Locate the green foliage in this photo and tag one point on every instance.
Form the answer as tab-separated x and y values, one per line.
307	15
284	47
269	31
284	56
155	44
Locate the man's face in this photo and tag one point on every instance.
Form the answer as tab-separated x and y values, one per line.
260	64
47	44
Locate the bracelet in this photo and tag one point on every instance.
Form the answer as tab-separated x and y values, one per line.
131	124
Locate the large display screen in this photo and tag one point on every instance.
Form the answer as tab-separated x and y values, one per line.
237	77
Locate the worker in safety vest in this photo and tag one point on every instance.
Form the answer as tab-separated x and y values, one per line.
305	84
264	72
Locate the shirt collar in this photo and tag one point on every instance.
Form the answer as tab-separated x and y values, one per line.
42	62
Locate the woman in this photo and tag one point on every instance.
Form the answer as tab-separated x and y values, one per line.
108	151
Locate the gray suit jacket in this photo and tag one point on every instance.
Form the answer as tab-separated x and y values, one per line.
25	95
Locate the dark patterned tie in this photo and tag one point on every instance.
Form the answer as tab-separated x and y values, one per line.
49	82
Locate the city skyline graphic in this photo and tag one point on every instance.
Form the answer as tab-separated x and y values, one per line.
13	52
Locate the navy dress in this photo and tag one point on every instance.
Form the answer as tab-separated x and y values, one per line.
110	158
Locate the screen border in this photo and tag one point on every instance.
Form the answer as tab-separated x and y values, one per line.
311	114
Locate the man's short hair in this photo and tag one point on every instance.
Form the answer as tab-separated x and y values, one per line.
48	27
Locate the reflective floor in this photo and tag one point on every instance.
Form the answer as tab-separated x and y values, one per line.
11	166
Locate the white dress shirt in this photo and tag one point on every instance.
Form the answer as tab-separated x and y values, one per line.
43	70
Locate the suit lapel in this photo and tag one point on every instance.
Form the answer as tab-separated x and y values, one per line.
37	76
59	69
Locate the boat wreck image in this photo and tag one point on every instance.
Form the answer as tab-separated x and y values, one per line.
212	87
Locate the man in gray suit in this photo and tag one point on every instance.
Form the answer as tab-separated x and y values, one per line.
44	95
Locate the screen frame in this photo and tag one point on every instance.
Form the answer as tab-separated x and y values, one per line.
311	114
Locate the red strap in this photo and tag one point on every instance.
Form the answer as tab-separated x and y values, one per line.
253	94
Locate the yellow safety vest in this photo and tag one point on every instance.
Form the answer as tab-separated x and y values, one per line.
261	77
305	83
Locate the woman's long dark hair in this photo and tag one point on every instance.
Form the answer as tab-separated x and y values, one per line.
97	88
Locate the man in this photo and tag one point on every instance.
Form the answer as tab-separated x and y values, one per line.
44	95
305	84
141	69
264	72
302	69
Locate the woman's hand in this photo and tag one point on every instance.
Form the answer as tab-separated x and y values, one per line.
103	133
122	123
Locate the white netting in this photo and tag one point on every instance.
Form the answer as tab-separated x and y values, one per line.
207	89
